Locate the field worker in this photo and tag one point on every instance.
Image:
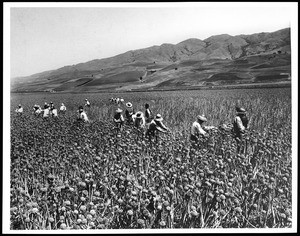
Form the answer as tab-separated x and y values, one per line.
63	108
37	110
82	116
54	112
155	127
46	105
117	101
118	118
121	101
129	112
148	113
139	120
46	113
198	129
87	103
240	124
19	110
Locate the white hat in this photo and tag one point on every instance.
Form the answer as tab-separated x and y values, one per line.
119	110
128	104
158	117
201	118
139	115
240	110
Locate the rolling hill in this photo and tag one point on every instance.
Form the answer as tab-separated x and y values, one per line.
217	60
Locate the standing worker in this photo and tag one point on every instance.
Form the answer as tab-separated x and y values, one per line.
139	120
155	127
118	119
129	112
81	116
87	103
63	108
240	124
46	113
19	110
37	110
148	114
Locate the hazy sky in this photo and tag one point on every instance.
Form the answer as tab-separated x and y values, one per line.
51	37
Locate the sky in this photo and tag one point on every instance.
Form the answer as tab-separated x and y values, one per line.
46	38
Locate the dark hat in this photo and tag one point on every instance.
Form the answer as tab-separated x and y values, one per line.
80	107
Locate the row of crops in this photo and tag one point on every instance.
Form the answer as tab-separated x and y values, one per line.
69	175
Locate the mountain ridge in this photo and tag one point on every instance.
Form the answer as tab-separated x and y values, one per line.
216	47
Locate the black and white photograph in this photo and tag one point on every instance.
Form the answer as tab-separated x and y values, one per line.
173	117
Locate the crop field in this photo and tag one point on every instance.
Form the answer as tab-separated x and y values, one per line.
70	175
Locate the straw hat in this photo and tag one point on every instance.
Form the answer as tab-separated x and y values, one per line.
158	117
201	118
128	104
119	110
240	110
139	115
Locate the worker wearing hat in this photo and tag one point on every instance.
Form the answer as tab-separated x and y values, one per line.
240	123
63	108
37	110
19	110
46	113
148	113
129	113
87	103
139	120
155	127
82	116
198	129
118	118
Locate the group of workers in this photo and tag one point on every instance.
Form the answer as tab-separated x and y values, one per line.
145	121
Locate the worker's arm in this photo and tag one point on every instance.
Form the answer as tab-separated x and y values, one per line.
240	124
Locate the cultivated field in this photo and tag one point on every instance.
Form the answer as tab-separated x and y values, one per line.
66	175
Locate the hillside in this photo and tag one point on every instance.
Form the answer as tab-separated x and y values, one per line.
217	60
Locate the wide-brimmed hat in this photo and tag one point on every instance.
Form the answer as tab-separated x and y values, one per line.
129	104
119	110
139	115
240	110
201	118
20	105
158	117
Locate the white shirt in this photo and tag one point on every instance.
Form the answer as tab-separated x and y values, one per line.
83	116
46	112
87	103
19	110
198	130
62	108
239	123
54	112
38	111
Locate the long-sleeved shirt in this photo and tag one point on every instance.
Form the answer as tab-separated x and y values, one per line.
82	116
46	112
19	110
148	115
239	123
62	108
197	129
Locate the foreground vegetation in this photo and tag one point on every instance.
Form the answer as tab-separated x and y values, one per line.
68	175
